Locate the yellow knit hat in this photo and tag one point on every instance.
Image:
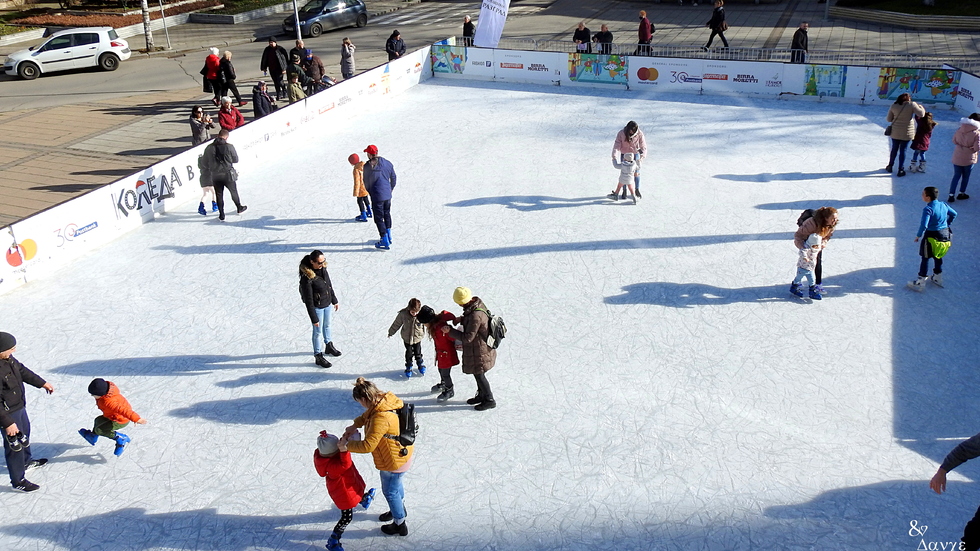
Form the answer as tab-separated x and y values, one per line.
462	296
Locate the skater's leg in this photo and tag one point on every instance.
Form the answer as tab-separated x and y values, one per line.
446	377
346	516
483	387
318	331
105	427
394	492
818	269
408	355
233	188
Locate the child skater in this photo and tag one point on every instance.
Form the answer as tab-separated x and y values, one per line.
920	144
627	169
363	203
116	414
935	234
344	483
446	356
804	266
412	332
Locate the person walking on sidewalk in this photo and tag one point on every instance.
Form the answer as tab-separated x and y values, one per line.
395	46
380	180
800	45
13	416
228	77
717	24
217	170
274	63
347	58
478	357
644	35
212	73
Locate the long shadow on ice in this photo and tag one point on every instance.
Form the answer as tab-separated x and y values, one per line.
879	281
309	405
135	529
866	201
527	203
797	176
274	246
640	243
176	365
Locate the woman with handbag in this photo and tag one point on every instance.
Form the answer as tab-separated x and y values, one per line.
901	115
212	74
228	77
717	24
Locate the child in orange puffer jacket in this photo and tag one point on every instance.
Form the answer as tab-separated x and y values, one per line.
116	414
363	203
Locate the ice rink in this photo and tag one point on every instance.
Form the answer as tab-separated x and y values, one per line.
659	388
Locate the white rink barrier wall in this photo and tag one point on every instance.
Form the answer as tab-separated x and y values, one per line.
936	87
44	242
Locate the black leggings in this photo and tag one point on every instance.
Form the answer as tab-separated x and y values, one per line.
230	85
720	34
413	351
219	193
483	387
363	204
346	516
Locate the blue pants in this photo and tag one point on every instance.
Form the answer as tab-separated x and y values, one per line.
391	487
382	215
961	174
918	155
804	273
324	315
17	461
898	147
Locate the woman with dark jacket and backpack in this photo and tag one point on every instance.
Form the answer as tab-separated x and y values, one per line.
717	25
478	357
381	430
318	296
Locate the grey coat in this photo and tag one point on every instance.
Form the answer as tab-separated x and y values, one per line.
216	162
199	131
347	59
412	330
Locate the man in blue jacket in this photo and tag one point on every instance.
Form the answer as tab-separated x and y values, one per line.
379	180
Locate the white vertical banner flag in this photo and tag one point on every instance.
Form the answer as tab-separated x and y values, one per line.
493	16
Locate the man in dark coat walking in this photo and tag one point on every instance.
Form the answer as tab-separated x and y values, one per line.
478	357
274	61
380	180
395	46
13	415
800	44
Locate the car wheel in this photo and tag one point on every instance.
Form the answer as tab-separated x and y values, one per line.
28	71
316	30
361	20
109	62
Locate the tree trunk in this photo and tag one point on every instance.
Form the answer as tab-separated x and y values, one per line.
146	25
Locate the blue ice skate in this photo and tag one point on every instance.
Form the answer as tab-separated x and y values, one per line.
408	372
361	217
388	235
368	498
201	211
369	211
89	436
214	206
421	369
815	293
333	543
121	441
383	244
796	289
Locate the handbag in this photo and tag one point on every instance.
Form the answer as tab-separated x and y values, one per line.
724	26
888	130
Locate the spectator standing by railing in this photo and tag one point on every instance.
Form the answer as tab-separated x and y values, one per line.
583	39
298	50
604	38
229	117
645	35
314	69
800	44
395	46
469	31
262	102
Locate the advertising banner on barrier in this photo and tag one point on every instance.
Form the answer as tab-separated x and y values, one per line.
462	62
929	86
968	94
11	273
590	69
665	74
493	17
537	67
742	77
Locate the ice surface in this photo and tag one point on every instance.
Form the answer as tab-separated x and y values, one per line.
658	389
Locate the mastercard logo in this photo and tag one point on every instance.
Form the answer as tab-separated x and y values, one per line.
18	254
647	73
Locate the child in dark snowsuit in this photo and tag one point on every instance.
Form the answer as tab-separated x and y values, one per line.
446	355
412	333
116	414
344	484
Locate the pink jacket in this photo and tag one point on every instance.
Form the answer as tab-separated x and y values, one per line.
637	144
966	143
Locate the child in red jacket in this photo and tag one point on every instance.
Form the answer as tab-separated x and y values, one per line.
344	484
116	414
446	355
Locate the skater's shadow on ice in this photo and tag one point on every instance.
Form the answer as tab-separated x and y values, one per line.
274	246
321	404
135	529
866	201
689	295
55	453
798	176
278	377
176	365
526	203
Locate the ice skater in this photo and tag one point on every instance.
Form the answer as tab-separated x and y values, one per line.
631	140
411	333
627	171
822	222
363	204
446	355
920	143
344	483
380	180
935	234
966	145
116	414
804	267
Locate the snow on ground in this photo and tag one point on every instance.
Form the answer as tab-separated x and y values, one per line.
658	389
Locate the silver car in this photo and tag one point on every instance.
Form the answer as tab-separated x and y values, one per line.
323	15
70	49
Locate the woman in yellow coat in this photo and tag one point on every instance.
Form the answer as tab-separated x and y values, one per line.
380	440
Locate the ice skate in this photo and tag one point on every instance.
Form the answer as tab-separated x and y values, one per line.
796	289
614	196
201	211
333	543
89	436
438	387
922	167
633	196
409	372
913	167
214	206
446	395
421	369
361	217
918	284
814	294
121	441
383	244
368	498
937	279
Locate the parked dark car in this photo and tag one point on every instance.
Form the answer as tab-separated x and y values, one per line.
324	15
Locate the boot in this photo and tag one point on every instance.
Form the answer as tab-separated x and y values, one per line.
121	441
937	278
362	217
814	293
331	349
89	436
396	529
369	211
918	285
901	172
321	361
796	289
922	167
961	196
913	167
446	395
483	406
383	244
200	209
475	400
214	206
388	235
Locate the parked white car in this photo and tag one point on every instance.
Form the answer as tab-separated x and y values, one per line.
70	49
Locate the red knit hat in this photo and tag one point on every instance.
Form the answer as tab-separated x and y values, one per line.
353	159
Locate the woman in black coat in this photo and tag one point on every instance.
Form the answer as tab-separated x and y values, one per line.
717	25
318	296
228	77
262	102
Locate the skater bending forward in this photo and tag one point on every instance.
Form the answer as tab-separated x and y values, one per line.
627	171
344	483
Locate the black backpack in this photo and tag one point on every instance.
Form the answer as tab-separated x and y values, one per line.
408	427
497	329
804	216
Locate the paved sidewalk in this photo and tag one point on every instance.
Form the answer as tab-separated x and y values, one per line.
44	161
